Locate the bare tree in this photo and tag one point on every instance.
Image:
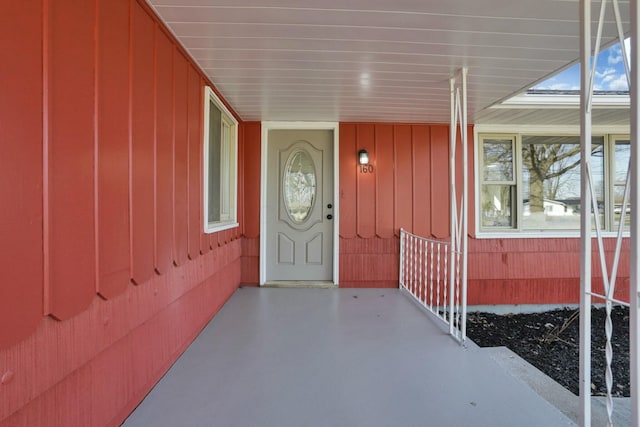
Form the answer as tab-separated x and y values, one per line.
547	165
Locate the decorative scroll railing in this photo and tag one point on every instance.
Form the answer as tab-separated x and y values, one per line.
425	273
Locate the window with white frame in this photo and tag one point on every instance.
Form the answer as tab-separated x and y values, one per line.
620	168
531	183
220	165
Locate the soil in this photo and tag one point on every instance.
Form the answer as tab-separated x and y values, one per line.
550	342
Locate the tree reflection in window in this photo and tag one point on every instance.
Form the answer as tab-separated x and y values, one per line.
498	160
551	178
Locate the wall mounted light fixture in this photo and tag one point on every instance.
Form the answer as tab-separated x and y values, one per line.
363	157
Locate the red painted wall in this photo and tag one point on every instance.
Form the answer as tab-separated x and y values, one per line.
106	275
21	263
536	271
251	161
410	176
409	188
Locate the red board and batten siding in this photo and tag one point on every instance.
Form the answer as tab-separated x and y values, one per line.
112	93
180	160
21	136
408	188
142	149
69	75
251	149
194	163
410	176
407	181
536	271
163	179
101	118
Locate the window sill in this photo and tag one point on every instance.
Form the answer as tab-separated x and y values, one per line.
542	235
220	227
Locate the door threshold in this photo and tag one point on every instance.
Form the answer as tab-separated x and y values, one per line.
299	284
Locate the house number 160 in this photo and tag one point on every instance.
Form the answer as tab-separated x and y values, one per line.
366	168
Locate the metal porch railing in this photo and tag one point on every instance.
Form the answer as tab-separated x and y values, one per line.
431	272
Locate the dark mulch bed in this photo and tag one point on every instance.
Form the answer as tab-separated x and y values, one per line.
550	342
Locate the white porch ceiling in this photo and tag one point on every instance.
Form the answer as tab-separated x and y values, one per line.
373	60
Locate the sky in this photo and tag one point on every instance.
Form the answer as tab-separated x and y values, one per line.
610	74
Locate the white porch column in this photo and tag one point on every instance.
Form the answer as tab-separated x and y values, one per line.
459	207
585	216
634	344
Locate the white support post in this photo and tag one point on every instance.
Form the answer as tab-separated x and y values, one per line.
465	209
585	217
453	201
634	344
459	214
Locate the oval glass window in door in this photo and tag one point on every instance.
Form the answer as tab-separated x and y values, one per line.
299	185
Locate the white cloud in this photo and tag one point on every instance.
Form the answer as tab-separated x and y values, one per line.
615	55
610	73
611	79
557	86
604	74
619	83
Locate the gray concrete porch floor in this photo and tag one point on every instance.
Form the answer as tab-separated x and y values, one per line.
336	357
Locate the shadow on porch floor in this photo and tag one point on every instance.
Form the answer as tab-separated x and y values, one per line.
335	357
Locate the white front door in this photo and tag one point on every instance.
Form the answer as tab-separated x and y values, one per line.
299	205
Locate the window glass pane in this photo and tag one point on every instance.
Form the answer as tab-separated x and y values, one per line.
551	181
497	206
498	159
622	153
299	185
215	140
220	165
224	171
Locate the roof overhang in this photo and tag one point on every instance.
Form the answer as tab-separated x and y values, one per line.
558	109
373	60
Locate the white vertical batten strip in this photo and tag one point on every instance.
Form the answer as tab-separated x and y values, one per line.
585	218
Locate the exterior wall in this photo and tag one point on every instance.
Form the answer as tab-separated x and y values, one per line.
105	276
409	188
536	271
410	177
251	191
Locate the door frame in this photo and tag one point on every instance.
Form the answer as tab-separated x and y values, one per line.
271	125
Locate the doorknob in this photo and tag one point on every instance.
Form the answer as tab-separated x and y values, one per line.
329	216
